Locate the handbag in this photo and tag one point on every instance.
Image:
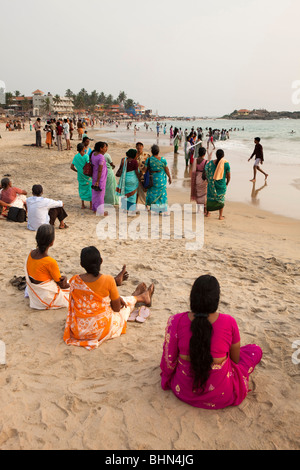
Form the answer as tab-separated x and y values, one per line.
15	214
88	168
120	170
148	178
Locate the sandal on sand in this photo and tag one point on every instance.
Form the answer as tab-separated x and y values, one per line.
22	285
16	281
64	227
144	313
133	315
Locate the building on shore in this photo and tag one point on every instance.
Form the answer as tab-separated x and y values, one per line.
51	105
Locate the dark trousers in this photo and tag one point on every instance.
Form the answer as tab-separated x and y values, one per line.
57	213
38	138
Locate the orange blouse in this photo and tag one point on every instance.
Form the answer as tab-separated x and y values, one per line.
105	286
44	269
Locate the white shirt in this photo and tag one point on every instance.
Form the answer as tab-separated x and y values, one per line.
37	211
66	128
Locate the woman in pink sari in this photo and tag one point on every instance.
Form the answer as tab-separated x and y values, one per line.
99	177
198	184
203	362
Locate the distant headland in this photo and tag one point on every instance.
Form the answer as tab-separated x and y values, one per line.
262	114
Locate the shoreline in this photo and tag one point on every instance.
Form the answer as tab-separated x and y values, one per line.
237	190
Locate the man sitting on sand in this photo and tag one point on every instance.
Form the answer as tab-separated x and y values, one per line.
259	159
44	211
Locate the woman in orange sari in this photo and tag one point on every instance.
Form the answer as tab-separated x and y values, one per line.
97	313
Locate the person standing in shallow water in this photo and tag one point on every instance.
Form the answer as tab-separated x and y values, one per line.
259	159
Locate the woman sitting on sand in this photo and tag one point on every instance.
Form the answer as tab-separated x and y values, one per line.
12	196
97	313
46	287
217	173
202	362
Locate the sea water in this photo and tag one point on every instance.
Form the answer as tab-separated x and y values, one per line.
281	143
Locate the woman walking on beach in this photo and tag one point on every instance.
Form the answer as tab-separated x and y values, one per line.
198	184
217	173
157	199
99	177
129	182
203	362
84	182
111	197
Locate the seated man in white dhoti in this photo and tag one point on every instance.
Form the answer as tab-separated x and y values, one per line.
46	287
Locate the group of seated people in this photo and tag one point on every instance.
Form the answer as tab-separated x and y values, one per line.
203	362
40	210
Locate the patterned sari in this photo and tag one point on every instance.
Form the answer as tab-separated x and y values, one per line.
91	320
198	185
228	383
84	182
157	198
127	188
111	197
216	188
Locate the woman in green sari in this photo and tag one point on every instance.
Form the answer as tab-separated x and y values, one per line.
129	182
111	197
157	199
217	173
84	182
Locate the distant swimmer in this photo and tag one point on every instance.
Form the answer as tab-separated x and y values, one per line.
259	159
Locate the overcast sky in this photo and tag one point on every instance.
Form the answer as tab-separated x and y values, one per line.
177	57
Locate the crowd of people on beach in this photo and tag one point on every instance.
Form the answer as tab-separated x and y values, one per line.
202	360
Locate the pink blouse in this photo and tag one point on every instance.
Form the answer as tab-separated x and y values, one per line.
225	333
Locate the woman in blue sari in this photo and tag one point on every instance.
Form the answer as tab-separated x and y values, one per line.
157	199
217	173
84	182
129	182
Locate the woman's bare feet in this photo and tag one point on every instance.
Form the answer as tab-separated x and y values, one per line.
122	276
146	297
141	288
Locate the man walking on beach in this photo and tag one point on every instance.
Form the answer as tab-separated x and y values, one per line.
259	159
38	132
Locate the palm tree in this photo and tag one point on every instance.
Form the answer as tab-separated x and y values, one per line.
46	108
69	93
109	100
25	105
93	99
56	99
122	97
79	102
101	98
17	93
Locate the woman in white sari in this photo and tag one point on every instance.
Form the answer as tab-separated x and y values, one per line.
46	288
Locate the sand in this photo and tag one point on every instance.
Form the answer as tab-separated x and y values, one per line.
55	396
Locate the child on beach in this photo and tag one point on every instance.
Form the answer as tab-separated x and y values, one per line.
259	159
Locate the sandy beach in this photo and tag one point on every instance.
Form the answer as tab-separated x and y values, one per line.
55	396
